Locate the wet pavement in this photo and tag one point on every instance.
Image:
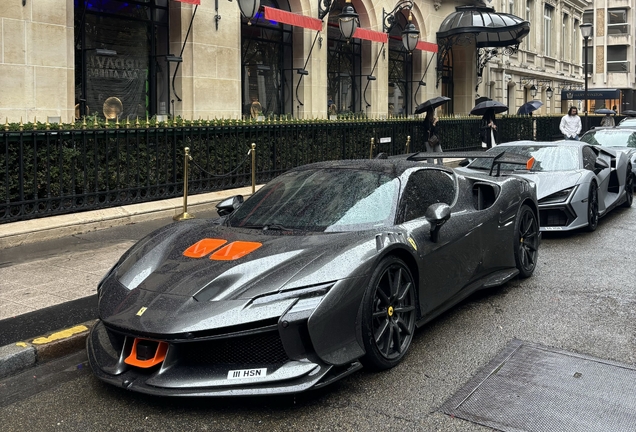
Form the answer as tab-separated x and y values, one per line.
582	299
47	285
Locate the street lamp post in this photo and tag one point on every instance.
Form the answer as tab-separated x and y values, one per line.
586	32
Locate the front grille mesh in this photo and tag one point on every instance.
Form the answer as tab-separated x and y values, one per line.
255	349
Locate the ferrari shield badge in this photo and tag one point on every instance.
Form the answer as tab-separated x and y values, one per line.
412	243
141	311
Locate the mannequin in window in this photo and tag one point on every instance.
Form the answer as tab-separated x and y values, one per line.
256	108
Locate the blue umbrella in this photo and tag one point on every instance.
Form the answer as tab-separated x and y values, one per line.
528	107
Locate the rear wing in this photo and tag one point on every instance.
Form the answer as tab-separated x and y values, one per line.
497	158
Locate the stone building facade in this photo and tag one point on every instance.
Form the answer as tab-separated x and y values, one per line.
134	58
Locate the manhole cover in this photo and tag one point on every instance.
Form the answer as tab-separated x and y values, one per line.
529	387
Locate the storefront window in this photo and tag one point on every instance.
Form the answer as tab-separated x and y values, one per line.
120	66
268	80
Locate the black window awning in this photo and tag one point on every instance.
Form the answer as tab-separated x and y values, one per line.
493	33
592	94
490	29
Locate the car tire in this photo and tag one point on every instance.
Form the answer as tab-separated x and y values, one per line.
526	239
629	189
592	208
388	314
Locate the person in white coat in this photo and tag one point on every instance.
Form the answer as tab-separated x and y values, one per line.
571	125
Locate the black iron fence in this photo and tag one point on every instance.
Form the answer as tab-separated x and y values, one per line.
51	172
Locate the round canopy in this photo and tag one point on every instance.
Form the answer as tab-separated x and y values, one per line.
490	28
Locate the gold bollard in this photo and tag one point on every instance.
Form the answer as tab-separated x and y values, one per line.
185	215
408	143
253	168
371	148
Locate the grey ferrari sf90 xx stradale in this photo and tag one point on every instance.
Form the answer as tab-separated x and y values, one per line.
327	268
577	183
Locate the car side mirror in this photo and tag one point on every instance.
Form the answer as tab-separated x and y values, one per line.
600	164
229	205
437	214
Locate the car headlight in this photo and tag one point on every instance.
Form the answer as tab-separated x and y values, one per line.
558	197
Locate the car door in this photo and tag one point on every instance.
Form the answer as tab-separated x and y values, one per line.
447	265
603	175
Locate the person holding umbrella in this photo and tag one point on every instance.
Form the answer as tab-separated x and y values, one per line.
608	120
432	143
430	131
488	129
571	124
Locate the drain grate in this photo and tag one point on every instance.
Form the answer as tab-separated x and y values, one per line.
533	388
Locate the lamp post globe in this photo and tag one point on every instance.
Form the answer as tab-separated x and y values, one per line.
533	91
410	36
549	92
249	8
348	21
586	32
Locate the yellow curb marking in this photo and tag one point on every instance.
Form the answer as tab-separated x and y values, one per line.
22	344
60	335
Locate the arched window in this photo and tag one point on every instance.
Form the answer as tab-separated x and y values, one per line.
268	81
344	68
400	70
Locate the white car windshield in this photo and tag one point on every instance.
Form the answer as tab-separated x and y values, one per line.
611	138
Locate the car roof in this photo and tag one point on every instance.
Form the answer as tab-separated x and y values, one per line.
394	166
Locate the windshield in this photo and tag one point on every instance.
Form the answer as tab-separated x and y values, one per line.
611	138
628	121
547	158
322	200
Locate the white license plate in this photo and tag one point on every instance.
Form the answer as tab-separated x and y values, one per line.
247	373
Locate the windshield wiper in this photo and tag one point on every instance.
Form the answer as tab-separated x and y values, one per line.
277	227
272	227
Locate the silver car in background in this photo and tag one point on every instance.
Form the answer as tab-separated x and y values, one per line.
577	183
618	138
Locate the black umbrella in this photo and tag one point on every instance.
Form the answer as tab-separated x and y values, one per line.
604	111
630	113
431	103
482	107
528	107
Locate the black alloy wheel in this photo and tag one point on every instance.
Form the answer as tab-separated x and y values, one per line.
629	189
526	241
388	314
592	208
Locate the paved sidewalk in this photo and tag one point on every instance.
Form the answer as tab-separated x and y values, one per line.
38	270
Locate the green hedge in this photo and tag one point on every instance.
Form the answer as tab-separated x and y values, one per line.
69	168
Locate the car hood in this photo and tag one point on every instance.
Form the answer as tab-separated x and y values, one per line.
173	288
551	182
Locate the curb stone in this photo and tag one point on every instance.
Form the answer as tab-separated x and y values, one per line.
18	356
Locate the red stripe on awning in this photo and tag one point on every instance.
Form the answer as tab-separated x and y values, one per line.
426	46
290	18
194	2
371	35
